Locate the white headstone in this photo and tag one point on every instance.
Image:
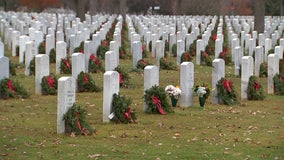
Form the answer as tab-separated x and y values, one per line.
159	51
60	53
273	69
267	47
110	61
151	78
41	70
31	52
137	52
2	48
186	84
65	99
258	60
50	43
247	71
15	42
218	72
218	47
111	86
114	46
180	50
4	67
22	47
77	64
199	48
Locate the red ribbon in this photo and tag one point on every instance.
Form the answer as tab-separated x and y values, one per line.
86	78
10	86
105	43
120	78
50	81
127	113
227	84
214	37
143	48
205	54
67	64
256	86
187	56
82	51
157	102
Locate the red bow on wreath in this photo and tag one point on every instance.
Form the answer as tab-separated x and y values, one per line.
256	86
187	56
120	78
50	81
67	64
86	78
10	86
157	102
127	113
227	84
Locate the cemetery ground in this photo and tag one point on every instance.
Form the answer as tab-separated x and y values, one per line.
247	130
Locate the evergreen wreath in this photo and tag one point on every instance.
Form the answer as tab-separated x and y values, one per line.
205	59
186	57
86	83
192	48
156	97
65	66
12	89
95	64
121	110
226	92
32	66
12	68
103	48
226	57
278	81
167	65
52	56
144	51
174	50
49	85
75	121
124	78
263	70
281	66
255	90
41	48
141	64
80	48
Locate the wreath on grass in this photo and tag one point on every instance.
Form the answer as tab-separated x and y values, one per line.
167	65
49	85
12	89
32	66
186	57
124	78
86	83
41	48
205	59
103	48
121	111
278	81
174	50
95	64
255	90
141	64
226	57
263	69
80	48
52	56
75	121
226	92
281	66
156	100
65	66
144	51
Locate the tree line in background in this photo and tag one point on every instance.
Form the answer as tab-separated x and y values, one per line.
169	7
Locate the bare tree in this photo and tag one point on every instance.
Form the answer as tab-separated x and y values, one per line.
259	11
